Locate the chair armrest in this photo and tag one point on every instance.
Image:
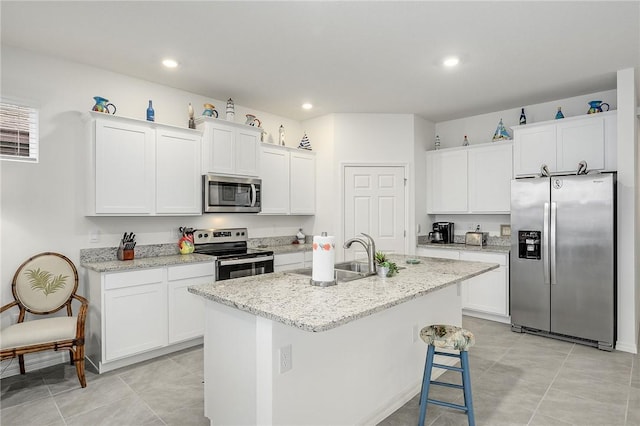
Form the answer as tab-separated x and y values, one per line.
8	305
82	314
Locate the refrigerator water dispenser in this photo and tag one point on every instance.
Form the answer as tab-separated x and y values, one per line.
529	244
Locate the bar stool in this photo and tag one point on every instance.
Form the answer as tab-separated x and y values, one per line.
444	336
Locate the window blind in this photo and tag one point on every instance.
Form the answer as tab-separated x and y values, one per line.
18	133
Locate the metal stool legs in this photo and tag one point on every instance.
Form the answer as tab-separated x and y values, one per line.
466	384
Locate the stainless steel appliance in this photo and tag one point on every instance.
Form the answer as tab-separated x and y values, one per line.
442	233
227	194
229	248
563	257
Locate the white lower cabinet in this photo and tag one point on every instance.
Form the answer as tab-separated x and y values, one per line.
139	314
487	295
186	310
135	313
289	261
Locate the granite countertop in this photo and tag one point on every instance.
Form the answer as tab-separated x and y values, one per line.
458	246
146	262
290	299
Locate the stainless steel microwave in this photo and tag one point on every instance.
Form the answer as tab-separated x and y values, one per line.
227	194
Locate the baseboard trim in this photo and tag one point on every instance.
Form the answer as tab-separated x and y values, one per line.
626	347
485	315
33	362
405	396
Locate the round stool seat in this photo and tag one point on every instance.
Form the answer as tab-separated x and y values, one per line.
447	337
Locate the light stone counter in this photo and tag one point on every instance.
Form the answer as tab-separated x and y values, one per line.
290	299
146	262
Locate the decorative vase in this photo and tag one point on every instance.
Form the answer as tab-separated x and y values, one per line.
151	114
382	271
102	105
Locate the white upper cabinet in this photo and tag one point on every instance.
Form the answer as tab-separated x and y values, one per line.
288	180
140	168
490	175
178	176
229	148
302	174
124	167
274	172
474	179
563	144
447	181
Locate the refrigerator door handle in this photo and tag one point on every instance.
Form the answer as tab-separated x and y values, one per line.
545	243
552	239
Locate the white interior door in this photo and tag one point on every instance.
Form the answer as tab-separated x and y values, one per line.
374	203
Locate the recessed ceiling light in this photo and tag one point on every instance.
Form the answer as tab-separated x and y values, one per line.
169	63
451	61
307	106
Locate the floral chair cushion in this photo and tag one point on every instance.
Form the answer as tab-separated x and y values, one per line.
447	337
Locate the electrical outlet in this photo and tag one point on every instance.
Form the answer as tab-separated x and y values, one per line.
94	236
286	362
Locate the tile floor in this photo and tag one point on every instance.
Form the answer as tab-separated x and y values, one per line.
517	379
521	379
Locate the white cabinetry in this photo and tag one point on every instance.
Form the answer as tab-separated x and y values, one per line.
474	179
288	180
487	295
186	310
289	261
139	314
139	168
562	144
490	175
447	181
178	180
135	312
229	148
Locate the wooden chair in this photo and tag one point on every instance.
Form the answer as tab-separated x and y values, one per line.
44	284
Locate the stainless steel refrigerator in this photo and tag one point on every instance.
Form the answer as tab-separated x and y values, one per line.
563	257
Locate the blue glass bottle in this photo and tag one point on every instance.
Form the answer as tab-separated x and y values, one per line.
151	114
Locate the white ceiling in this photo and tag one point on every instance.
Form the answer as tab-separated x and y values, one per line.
345	56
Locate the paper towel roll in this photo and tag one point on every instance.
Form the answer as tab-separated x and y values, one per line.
324	256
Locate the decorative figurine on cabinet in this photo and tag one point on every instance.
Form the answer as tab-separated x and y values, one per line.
501	133
304	143
230	110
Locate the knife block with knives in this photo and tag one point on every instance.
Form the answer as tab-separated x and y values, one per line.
125	250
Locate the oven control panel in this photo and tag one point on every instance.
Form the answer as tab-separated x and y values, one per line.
206	236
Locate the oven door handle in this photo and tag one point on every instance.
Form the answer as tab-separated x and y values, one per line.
241	261
254	195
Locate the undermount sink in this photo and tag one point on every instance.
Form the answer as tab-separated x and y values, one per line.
353	267
344	272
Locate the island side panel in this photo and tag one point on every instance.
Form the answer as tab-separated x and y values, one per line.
361	372
230	373
357	373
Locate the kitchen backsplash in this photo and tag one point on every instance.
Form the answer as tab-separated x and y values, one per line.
107	254
459	239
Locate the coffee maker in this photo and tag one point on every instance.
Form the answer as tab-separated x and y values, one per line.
442	233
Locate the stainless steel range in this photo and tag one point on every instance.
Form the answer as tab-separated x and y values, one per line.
233	258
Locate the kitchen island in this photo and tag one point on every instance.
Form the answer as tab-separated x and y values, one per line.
280	351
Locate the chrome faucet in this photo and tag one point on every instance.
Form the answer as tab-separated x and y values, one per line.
369	246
